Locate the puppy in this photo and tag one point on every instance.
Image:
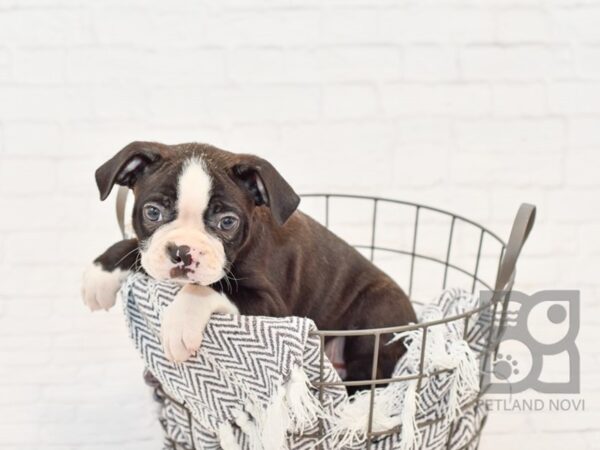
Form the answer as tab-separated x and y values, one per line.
225	226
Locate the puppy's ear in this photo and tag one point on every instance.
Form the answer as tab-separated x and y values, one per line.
126	166
266	186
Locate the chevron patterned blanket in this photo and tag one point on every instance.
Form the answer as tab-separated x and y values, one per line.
250	385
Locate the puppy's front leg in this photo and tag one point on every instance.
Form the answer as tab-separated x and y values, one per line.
184	320
103	278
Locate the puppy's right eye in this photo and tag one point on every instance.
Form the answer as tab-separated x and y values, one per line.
152	213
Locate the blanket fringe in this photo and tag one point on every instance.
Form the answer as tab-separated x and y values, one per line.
248	426
293	408
465	381
411	436
303	406
227	438
275	422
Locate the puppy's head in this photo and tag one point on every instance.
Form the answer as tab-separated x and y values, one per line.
195	205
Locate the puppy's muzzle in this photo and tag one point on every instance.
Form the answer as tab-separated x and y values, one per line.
184	254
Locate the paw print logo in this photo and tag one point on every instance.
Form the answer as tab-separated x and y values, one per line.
539	328
505	367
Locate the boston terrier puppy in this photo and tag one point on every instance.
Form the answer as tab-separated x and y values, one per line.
225	226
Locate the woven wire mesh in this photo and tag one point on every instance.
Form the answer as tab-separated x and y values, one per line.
424	249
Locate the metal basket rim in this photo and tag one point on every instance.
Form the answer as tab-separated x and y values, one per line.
407	203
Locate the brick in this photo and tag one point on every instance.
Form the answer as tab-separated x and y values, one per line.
580	169
165	103
76	175
485	168
511	136
302	65
370	144
33	247
120	102
579	24
467	202
45	413
263	139
427	165
19	394
27	176
524	25
276	103
40	65
430	63
527	99
589	233
5	65
573	205
351	26
436	99
97	140
435	24
256	65
44	103
47	212
31	26
283	27
27	138
20	434
588	61
515	63
131	26
349	102
574	97
161	67
425	131
360	63
108	65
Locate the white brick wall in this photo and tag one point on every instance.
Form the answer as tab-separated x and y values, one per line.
475	106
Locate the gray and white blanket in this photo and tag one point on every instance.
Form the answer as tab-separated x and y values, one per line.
251	384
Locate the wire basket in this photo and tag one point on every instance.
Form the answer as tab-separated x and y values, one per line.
425	249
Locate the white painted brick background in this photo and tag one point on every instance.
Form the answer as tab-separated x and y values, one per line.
471	105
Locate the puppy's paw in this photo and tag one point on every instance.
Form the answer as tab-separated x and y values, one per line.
184	320
100	287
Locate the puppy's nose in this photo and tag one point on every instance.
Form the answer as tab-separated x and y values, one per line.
179	254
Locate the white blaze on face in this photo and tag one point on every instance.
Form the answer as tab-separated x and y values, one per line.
206	251
193	192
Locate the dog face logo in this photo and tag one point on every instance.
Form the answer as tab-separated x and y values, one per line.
194	205
538	348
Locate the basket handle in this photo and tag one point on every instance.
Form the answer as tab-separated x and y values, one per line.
120	203
521	228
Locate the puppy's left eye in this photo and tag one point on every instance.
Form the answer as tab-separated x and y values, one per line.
152	213
228	223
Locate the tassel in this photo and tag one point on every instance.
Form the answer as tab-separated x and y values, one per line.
274	422
464	378
227	438
410	435
247	425
349	427
303	407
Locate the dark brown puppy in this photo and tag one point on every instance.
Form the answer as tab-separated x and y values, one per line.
202	214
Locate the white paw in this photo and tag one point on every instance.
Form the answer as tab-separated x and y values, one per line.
100	288
184	320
